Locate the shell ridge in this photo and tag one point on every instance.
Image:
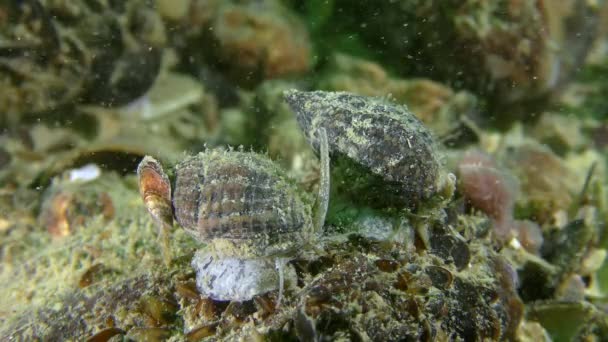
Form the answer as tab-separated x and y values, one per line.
199	197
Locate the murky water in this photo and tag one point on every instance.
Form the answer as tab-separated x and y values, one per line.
439	173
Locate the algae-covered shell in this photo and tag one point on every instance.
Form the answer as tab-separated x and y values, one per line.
242	202
381	152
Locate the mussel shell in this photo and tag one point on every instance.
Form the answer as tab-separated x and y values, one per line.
54	55
119	81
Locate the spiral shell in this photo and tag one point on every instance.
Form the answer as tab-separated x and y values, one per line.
381	153
242	202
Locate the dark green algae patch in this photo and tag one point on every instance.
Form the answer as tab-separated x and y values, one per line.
81	258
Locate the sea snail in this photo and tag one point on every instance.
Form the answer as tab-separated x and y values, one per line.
381	154
251	216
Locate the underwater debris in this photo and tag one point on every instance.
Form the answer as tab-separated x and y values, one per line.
561	133
283	136
162	122
84	174
68	204
494	191
241	204
487	187
548	185
170	94
42	272
508	51
99	309
569	321
600	136
112	138
5	158
55	54
251	40
568	247
438	106
382	155
529	234
173	10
